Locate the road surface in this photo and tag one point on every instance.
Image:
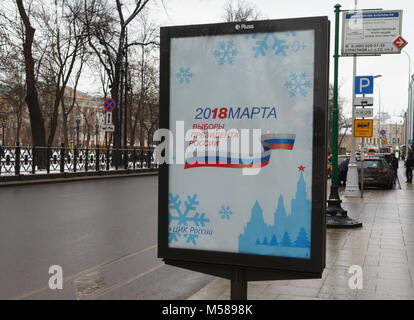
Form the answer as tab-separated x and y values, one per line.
103	233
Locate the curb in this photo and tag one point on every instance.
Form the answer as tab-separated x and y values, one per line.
61	178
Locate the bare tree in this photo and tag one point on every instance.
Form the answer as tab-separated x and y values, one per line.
106	38
66	46
241	11
32	100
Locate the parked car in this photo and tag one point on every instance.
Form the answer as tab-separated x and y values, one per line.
377	173
386	156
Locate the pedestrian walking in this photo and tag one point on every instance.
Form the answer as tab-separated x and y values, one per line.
409	166
394	167
343	172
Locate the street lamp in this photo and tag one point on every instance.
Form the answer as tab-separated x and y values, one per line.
379	117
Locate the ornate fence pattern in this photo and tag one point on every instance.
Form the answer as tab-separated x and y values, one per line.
16	160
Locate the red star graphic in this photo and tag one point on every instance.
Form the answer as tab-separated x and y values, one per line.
301	168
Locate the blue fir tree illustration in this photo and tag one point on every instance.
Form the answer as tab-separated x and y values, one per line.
260	238
302	239
274	242
286	241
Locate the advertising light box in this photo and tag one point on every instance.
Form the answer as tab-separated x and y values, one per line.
246	106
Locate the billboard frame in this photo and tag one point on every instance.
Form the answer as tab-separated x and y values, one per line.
254	266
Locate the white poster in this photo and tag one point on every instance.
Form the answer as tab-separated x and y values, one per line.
371	32
258	86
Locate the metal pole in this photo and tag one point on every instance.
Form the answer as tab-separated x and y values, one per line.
379	119
352	188
77	132
336	215
3	125
334	203
238	285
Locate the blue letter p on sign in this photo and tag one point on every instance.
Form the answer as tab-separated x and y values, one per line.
364	85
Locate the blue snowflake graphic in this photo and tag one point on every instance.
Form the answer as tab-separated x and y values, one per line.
225	53
184	216
225	212
290	33
184	75
279	45
298	84
253	35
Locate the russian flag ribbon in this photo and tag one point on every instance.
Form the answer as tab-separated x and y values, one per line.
269	142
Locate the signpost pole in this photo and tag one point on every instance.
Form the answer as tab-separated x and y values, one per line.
238	285
352	188
336	216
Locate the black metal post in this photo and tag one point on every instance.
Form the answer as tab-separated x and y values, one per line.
35	156
17	159
77	132
107	157
87	158
96	135
97	159
75	155
62	158
3	125
48	159
238	285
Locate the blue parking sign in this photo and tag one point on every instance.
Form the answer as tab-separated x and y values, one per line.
364	85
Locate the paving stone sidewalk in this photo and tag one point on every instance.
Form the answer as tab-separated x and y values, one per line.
383	247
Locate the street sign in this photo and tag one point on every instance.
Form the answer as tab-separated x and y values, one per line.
223	209
371	32
108	128
364	112
363	128
109	105
383	141
364	85
108	118
364	101
383	132
400	42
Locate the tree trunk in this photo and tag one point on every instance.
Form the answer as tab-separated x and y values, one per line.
36	120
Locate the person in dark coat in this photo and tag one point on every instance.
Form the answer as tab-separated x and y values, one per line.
394	167
343	172
409	166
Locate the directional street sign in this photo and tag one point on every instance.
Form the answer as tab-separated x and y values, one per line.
364	113
109	105
364	85
108	128
364	101
400	42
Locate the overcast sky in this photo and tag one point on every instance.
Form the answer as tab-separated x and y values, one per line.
393	67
